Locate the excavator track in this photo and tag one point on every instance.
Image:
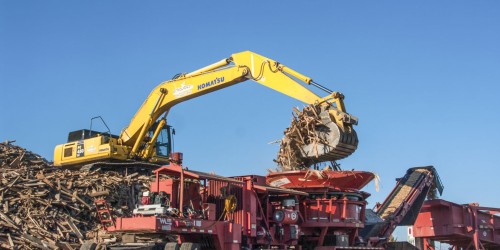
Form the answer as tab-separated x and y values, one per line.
126	168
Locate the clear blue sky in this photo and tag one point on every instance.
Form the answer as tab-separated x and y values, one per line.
422	76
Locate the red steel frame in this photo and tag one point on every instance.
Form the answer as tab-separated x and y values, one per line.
225	234
468	226
252	223
326	216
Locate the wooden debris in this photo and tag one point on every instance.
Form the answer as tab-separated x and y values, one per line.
43	207
302	131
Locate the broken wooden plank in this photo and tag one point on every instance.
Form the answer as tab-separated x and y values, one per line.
75	230
8	220
101	193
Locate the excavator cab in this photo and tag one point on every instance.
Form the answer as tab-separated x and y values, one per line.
163	143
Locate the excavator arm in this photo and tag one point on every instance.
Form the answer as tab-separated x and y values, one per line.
227	72
138	140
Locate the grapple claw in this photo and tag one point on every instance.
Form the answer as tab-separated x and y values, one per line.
314	136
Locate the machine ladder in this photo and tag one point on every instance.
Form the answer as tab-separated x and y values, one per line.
104	214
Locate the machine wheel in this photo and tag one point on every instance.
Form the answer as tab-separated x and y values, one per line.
172	246
190	246
88	246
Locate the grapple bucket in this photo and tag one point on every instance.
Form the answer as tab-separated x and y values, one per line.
330	142
317	134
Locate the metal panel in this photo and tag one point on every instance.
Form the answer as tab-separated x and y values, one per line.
217	193
468	225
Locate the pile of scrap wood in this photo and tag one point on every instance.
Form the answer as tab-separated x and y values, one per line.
42	207
301	132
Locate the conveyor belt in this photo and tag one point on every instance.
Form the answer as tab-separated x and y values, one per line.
402	191
402	205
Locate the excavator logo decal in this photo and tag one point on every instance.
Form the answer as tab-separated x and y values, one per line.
183	90
211	83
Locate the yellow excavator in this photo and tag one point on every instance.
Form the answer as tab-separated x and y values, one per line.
147	139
